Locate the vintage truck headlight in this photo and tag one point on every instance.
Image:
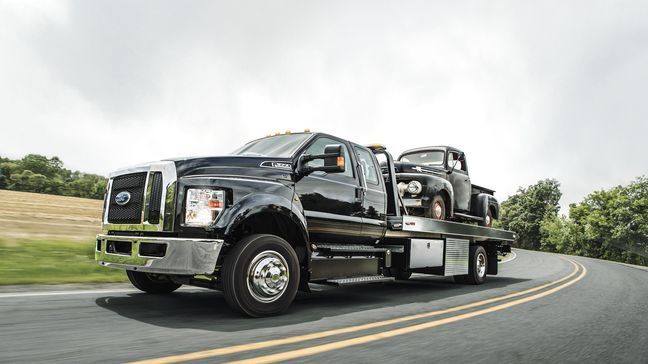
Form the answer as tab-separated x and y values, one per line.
414	187
203	205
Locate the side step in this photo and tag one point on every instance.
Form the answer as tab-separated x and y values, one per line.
359	280
468	217
356	248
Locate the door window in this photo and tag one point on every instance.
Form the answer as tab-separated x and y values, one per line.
318	148
368	166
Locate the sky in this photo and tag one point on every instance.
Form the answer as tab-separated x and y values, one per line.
527	89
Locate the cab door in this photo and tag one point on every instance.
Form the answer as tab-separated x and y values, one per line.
460	180
332	202
374	202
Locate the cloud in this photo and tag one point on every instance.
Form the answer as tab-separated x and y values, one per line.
528	90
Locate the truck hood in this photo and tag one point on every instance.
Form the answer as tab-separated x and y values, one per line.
262	167
406	167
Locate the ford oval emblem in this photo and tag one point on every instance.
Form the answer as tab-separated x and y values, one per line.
122	198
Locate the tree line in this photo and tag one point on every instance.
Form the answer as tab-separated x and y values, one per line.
37	173
608	224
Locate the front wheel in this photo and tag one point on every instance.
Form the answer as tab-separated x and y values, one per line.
477	266
260	275
151	283
437	208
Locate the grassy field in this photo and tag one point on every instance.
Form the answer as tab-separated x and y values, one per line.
50	239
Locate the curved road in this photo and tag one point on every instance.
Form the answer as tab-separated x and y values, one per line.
541	307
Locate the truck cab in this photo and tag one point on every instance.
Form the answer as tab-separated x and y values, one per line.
434	182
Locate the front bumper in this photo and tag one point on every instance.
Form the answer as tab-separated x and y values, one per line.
158	254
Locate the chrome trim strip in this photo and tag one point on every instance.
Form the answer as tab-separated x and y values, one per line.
329	216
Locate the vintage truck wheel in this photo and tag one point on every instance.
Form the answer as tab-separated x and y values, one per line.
151	283
437	208
488	219
260	275
477	266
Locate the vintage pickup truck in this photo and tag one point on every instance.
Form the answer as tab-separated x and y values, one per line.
277	214
434	182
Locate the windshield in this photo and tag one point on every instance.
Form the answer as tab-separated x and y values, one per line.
279	146
427	158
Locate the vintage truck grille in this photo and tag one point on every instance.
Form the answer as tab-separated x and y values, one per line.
130	213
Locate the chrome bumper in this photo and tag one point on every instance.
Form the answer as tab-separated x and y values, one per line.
172	255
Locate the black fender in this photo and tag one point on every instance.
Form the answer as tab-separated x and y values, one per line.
258	203
432	185
481	202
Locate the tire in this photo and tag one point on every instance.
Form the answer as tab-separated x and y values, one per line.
437	209
477	267
151	283
269	256
399	274
488	219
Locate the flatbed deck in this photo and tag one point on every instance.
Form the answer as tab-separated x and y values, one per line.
421	227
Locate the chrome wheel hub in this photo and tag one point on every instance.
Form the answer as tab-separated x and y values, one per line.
488	220
481	265
267	277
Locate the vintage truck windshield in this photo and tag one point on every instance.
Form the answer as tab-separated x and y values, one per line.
427	158
279	146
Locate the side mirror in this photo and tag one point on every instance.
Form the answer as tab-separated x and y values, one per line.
333	161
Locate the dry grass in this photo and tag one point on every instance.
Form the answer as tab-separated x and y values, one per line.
35	216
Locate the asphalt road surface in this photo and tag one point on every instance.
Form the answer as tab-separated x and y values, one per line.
542	307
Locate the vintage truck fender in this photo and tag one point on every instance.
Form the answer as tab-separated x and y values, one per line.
432	185
481	202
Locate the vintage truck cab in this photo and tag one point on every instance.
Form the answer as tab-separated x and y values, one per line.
434	182
275	215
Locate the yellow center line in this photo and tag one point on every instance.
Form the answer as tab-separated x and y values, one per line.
288	355
345	330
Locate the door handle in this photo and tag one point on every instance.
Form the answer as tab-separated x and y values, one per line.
359	193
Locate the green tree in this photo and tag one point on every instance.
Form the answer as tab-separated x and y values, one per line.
525	211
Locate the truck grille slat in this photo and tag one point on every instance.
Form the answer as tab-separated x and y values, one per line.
156	198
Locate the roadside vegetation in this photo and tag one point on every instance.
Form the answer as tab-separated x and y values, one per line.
608	224
49	262
50	239
37	173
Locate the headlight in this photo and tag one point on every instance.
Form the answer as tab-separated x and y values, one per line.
414	187
203	206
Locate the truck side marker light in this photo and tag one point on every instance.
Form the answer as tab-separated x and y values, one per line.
340	161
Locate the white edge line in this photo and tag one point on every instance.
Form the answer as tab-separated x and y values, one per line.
509	260
63	293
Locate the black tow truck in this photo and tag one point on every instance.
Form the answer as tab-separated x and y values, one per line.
277	214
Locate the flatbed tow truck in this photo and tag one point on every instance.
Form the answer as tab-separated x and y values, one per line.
277	214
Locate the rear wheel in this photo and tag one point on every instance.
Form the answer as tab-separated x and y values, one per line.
437	208
488	219
151	283
260	275
477	267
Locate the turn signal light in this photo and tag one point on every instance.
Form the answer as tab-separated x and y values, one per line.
215	204
340	161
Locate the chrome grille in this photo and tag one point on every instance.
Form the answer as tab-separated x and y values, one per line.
152	203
